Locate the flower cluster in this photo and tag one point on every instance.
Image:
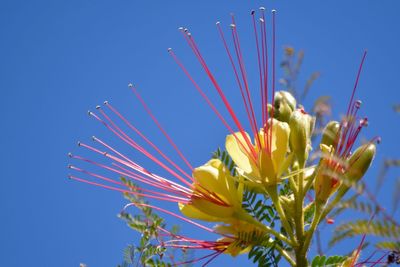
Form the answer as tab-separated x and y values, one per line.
272	155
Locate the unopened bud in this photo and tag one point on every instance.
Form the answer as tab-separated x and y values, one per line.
327	176
330	133
288	206
360	161
301	125
284	105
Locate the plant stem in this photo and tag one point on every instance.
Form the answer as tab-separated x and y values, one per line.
273	194
314	224
286	255
301	259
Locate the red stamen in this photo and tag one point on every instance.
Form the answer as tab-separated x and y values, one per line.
159	126
147	140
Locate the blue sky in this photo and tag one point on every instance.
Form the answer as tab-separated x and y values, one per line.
60	58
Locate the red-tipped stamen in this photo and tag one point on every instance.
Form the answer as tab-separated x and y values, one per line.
144	138
146	107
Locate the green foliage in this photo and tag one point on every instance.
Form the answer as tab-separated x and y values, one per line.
149	251
320	261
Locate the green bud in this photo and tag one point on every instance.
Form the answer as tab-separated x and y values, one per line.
360	161
301	125
288	206
284	105
330	132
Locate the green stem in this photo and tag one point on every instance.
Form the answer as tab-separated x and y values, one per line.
273	194
301	259
313	227
286	255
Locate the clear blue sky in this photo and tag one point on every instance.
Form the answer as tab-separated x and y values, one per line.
60	58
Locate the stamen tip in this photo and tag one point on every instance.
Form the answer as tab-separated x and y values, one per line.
262	8
79	143
273	11
69	166
98	107
70	154
358	103
180	28
105	102
130	85
217	23
169	49
378	140
232	25
252	12
90	113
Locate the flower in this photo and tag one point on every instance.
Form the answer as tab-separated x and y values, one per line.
269	162
337	162
214	178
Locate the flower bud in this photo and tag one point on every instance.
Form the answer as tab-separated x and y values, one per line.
288	206
330	132
284	105
360	161
301	125
326	181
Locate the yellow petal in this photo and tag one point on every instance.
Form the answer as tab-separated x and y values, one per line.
209	179
234	145
192	212
280	142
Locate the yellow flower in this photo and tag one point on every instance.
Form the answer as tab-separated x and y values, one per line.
266	165
215	197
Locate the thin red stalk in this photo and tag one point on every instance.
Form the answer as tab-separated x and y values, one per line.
263	104
119	189
147	140
130	142
198	88
101	177
146	107
253	127
172	214
239	55
190	39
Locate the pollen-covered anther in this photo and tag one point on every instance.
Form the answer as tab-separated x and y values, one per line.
364	122
252	12
79	143
98	107
90	113
70	154
130	85
378	140
180	28
261	20
69	166
217	23
105	102
169	49
232	25
262	8
94	138
358	103
273	11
